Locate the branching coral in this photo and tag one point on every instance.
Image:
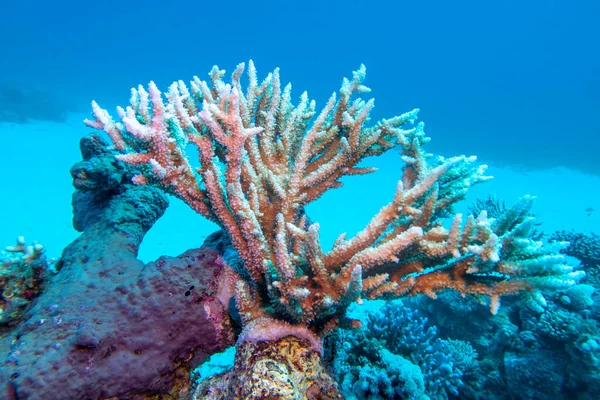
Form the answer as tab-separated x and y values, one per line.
397	355
263	159
525	258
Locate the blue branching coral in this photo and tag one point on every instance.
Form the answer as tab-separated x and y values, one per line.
398	356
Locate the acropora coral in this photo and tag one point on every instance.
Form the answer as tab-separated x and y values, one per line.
262	159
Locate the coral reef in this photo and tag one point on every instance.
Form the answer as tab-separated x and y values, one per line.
585	247
496	207
534	375
527	352
397	355
522	254
279	369
262	160
109	325
24	272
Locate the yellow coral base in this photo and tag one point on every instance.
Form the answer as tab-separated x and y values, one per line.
287	369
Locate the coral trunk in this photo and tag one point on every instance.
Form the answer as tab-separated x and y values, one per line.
288	368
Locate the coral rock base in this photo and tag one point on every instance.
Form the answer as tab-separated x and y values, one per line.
276	370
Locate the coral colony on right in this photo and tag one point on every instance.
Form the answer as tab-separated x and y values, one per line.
289	306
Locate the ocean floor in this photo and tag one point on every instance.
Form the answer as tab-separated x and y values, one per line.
35	199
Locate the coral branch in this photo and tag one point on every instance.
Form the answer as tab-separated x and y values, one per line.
262	161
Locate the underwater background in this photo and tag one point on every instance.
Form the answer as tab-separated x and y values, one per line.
516	83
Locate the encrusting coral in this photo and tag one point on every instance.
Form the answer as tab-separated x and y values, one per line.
262	160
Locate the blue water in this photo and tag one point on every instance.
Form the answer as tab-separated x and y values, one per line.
516	83
511	81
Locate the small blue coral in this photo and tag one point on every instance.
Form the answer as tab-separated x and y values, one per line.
398	355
